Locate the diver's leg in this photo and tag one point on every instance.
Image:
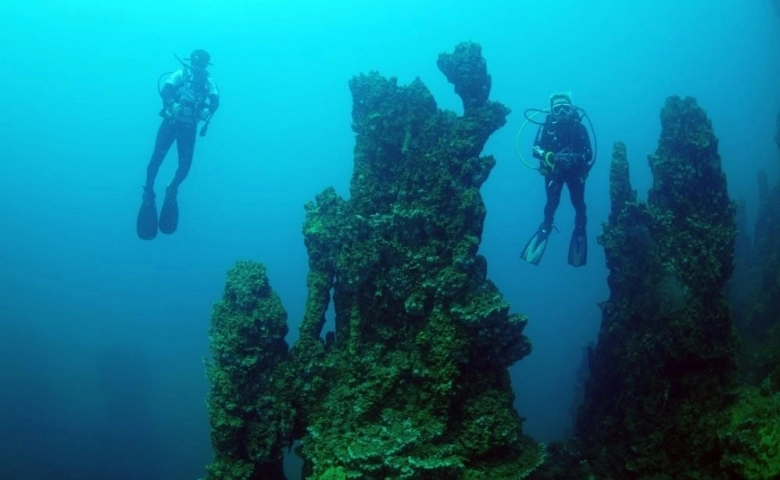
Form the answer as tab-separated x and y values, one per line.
578	246
166	134
146	224
185	143
534	249
553	189
577	193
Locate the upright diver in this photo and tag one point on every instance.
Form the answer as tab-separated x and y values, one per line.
563	148
189	96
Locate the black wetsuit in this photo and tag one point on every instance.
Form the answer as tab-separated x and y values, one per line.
191	93
572	159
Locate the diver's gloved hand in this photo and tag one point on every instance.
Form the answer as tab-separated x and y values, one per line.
175	109
547	163
205	114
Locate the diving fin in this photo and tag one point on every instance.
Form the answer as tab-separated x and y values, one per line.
578	247
146	224
534	249
169	214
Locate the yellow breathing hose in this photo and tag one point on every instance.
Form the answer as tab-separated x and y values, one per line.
517	141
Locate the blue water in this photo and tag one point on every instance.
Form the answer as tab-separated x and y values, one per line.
103	336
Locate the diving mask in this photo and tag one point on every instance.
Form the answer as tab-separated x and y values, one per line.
562	109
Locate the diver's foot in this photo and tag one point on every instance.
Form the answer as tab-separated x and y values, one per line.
169	213
578	247
146	224
534	249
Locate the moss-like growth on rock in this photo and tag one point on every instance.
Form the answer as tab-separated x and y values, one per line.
249	424
777	135
413	382
664	367
755	292
418	386
751	440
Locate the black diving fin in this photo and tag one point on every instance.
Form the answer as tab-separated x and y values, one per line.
169	213
534	249
578	247
146	224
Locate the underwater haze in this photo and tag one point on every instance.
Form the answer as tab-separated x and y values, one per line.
103	336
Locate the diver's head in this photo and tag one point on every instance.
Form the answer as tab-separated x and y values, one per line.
199	60
561	108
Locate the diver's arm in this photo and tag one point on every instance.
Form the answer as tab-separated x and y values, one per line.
213	95
541	143
171	86
584	146
213	102
168	94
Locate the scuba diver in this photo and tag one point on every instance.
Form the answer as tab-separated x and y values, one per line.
563	149
189	96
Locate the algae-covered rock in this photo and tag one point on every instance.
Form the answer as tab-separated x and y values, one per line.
621	193
413	382
664	367
751	439
755	293
467	71
416	377
777	135
249	424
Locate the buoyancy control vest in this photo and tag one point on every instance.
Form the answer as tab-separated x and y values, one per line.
191	95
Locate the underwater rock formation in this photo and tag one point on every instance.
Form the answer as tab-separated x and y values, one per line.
752	439
664	367
250	423
742	279
759	324
413	382
777	135
755	292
